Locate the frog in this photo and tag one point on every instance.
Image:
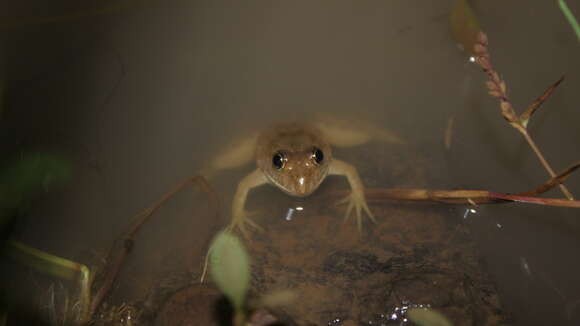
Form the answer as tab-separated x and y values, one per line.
296	157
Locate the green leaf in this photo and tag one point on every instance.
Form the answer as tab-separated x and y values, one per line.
570	17
230	267
464	25
27	175
427	317
31	172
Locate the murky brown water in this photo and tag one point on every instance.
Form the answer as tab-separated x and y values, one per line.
139	98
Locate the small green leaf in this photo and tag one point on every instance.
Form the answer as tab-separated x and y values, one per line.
427	317
230	267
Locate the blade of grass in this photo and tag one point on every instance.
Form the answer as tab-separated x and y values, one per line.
525	117
570	17
57	267
552	182
44	262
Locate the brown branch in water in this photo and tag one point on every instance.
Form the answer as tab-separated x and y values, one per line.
453	197
138	221
552	182
559	202
497	88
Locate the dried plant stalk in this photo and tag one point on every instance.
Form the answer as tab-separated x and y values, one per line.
470	197
498	89
454	197
552	182
58	267
138	221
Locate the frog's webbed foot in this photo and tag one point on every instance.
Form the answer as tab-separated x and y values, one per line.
242	222
356	202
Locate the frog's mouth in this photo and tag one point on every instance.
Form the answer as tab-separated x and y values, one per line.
301	187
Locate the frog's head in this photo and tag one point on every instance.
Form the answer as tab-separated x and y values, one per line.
297	163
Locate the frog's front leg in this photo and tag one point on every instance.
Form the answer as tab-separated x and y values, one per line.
240	217
356	199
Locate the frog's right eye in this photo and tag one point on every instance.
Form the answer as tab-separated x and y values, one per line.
279	160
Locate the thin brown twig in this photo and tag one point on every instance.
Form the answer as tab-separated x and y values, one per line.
561	177
559	202
453	197
546	165
469	197
497	88
525	117
138	221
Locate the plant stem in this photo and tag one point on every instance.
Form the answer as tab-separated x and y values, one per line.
545	163
239	317
57	267
570	17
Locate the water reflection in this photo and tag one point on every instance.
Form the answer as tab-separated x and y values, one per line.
397	315
469	211
290	212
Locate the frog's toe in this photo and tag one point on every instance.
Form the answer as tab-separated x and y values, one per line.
365	207
360	207
242	223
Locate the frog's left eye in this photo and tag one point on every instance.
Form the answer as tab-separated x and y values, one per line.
317	155
279	160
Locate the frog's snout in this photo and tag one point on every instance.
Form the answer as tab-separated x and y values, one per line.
301	188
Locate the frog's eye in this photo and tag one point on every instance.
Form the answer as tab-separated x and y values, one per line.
279	160
317	155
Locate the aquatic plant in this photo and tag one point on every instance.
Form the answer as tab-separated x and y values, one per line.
230	270
62	269
497	88
24	176
467	32
570	17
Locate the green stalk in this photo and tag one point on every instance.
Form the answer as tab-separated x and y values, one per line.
570	17
57	267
